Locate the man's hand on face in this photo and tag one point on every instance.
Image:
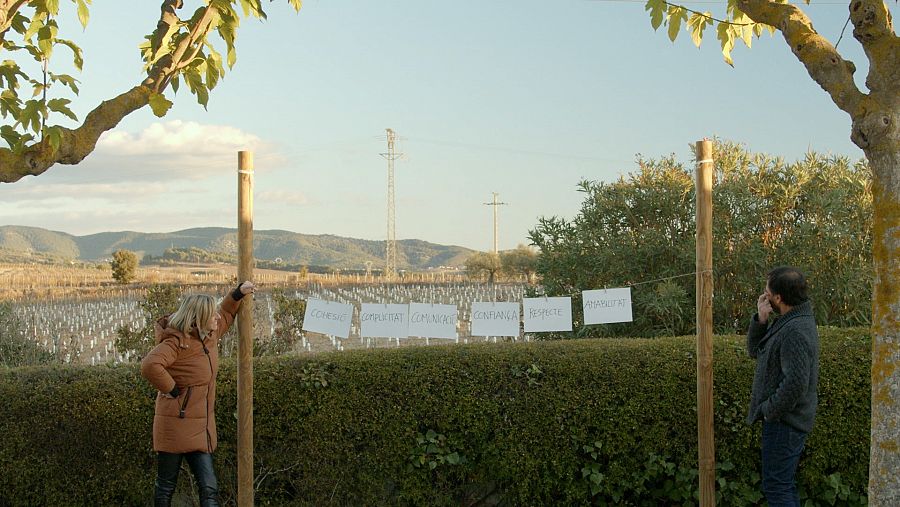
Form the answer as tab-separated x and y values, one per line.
763	308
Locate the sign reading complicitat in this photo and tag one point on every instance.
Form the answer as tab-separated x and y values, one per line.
384	321
547	314
432	321
605	306
495	319
328	317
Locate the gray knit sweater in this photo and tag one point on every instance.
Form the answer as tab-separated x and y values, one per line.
787	368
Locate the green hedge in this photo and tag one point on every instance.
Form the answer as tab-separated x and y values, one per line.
565	423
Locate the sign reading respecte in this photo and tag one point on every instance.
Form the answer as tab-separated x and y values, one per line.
327	317
547	314
605	306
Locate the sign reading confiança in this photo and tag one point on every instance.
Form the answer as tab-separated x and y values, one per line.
547	314
384	320
605	306
328	317
432	321
495	319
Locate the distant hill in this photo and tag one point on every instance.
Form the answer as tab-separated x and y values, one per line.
321	250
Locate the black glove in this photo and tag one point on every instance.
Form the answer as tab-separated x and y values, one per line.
175	392
236	294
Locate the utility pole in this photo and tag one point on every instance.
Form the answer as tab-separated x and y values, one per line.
390	257
496	228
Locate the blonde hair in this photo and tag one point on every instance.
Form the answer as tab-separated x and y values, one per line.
195	310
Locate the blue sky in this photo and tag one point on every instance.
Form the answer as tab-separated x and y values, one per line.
524	98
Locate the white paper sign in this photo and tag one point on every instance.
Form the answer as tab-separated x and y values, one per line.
384	321
547	314
604	306
432	321
328	317
495	319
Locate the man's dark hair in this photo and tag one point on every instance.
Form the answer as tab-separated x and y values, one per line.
789	283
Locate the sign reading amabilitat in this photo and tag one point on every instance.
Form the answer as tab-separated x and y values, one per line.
547	314
383	320
328	317
432	321
605	306
495	319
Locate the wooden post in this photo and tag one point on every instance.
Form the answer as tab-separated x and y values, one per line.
245	331
705	435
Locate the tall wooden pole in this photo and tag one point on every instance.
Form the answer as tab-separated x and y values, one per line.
705	435
245	331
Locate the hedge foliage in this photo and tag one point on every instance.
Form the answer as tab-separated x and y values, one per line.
576	422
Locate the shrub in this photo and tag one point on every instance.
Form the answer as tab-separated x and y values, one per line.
16	349
160	299
575	422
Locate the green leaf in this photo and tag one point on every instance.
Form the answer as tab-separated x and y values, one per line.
54	136
697	24
431	435
52	6
31	116
676	16
66	80
62	106
212	71
83	14
45	41
726	38
453	458
743	26
657	10
159	104
164	44
36	24
175	83
77	55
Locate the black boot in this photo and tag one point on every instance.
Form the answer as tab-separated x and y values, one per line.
168	466
201	464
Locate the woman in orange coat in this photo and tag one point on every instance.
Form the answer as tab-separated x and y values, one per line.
183	367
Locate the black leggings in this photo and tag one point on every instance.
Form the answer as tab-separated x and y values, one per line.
201	464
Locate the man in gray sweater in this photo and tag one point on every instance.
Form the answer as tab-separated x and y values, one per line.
786	350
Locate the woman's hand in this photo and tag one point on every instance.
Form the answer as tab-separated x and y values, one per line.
247	288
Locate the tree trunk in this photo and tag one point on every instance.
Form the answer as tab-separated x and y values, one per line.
884	461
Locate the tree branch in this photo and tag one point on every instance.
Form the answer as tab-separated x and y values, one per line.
75	144
156	76
873	28
822	61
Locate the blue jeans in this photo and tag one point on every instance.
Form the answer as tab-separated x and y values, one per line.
781	448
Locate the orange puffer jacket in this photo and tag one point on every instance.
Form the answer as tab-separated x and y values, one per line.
186	423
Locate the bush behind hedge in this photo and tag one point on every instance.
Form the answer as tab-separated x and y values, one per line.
566	423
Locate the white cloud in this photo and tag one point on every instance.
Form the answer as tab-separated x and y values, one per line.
179	138
166	152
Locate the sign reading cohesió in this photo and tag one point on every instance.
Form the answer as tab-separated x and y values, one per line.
384	321
547	314
495	319
327	317
604	306
432	321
